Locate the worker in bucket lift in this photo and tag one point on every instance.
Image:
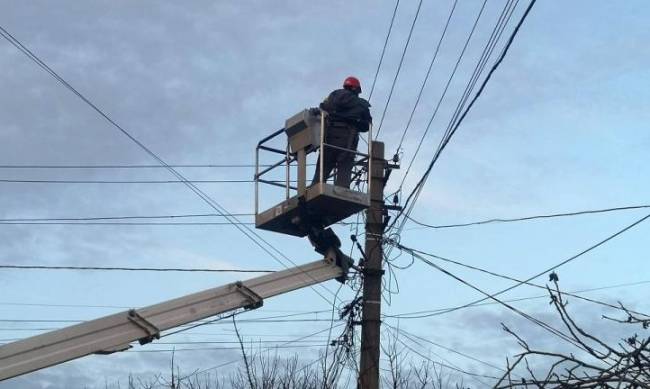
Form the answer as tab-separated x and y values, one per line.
347	116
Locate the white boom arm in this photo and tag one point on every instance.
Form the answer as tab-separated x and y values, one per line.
115	332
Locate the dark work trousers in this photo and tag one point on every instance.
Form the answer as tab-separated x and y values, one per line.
341	136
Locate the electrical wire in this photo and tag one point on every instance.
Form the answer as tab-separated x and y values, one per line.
451	350
317	340
332	321
262	319
399	68
25	181
129	166
495	36
420	314
265	349
418	188
269	321
140	223
497	31
172	350
203	323
546	271
509	278
116	268
97	218
526	218
247	231
383	50
130	223
426	77
446	365
487	295
445	89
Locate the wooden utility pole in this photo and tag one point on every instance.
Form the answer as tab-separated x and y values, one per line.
371	316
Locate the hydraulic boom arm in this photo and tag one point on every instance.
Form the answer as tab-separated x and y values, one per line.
116	332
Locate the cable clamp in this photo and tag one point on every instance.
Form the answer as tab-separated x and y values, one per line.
255	299
374	272
148	327
373	236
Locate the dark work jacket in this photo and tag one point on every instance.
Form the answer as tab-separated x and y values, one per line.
346	107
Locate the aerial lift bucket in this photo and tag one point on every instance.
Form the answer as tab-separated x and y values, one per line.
306	206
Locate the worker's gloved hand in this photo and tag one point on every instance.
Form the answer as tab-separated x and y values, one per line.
314	111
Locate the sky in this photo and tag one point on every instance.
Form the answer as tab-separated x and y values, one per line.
560	127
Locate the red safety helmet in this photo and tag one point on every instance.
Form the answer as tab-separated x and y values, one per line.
352	83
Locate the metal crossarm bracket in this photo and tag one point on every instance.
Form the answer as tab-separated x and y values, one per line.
146	325
255	299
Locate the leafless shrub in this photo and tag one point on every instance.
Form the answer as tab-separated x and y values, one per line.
601	365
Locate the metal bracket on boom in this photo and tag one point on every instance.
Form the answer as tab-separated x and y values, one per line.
255	299
146	325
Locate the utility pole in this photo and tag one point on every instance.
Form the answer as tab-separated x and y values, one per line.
371	316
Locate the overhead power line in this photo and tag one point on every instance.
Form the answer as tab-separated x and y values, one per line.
487	295
427	313
383	50
251	234
444	91
399	68
129	223
526	218
329	328
18	181
181	349
256	341
111	221
495	36
127	166
286	318
119	268
270	321
541	273
18	304
509	278
418	188
140	223
426	77
445	365
173	350
249	320
129	217
23	304
452	350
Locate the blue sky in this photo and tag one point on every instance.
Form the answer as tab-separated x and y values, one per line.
560	127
